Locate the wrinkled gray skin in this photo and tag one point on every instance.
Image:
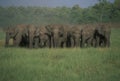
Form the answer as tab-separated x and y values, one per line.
58	35
87	39
75	36
16	33
42	37
102	34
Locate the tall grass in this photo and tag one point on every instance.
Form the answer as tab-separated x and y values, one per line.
67	64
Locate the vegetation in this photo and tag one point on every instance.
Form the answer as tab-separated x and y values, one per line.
103	11
67	64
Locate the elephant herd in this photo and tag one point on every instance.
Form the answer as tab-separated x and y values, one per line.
59	36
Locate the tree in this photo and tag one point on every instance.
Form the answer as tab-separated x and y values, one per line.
117	4
103	10
76	14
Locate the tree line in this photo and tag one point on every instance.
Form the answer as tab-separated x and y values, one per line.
103	11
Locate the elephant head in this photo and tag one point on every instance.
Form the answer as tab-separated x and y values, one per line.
31	34
57	32
75	36
103	32
11	33
36	39
87	35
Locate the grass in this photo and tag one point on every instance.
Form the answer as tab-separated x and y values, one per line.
87	64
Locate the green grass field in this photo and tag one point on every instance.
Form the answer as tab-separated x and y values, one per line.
67	64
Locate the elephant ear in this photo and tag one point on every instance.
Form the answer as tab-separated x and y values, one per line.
14	31
37	31
49	30
100	29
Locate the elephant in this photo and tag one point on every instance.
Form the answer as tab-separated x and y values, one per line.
17	34
65	36
30	32
36	42
58	35
102	35
42	37
75	35
10	34
87	35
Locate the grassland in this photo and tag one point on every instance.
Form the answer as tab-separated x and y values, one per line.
68	64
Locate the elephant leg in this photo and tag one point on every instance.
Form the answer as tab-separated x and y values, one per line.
77	43
60	43
89	42
93	42
83	42
14	42
51	42
31	42
102	43
36	43
68	43
17	41
56	43
47	44
108	42
64	44
97	42
7	41
72	42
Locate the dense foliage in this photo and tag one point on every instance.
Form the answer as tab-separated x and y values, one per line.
103	11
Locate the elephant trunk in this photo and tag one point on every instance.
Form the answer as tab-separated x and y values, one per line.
82	41
36	42
107	42
77	42
56	41
41	43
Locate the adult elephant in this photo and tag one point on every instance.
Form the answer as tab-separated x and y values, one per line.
16	33
58	35
10	34
75	35
30	32
42	37
102	34
88	32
